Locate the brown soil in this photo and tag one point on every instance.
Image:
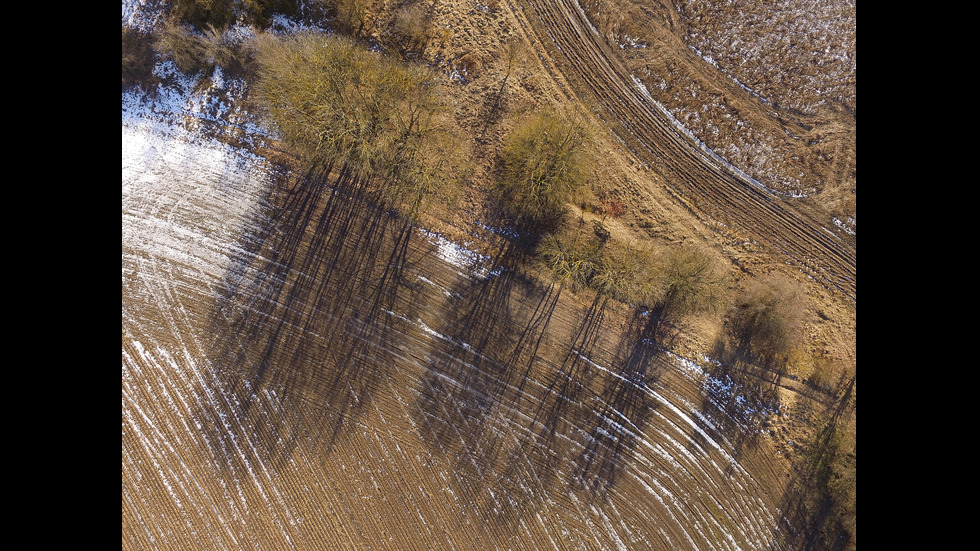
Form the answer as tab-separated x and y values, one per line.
379	484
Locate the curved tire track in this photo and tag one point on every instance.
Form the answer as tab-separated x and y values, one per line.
714	187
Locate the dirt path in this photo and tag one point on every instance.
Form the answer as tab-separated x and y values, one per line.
713	189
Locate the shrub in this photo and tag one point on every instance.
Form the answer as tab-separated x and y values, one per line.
678	281
624	274
191	52
572	258
350	15
543	163
220	14
613	207
202	14
411	29
200	51
235	56
582	260
260	12
137	57
767	317
332	100
691	280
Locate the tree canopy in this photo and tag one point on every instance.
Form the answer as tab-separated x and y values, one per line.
544	161
332	100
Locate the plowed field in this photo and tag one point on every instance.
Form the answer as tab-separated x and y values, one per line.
302	369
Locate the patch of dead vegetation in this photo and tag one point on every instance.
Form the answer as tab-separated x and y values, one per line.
770	88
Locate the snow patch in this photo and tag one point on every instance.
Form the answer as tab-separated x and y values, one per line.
471	263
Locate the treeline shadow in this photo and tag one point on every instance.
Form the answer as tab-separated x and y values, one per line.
305	313
624	406
552	414
742	391
488	342
819	503
525	423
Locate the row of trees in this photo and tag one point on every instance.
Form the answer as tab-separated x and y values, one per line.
763	317
545	162
675	281
332	100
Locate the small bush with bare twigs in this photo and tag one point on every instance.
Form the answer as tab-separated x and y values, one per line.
137	57
766	321
202	14
544	162
196	52
332	100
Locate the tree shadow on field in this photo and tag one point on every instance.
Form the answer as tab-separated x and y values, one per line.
549	432
624	406
303	320
466	394
742	389
465	374
819	504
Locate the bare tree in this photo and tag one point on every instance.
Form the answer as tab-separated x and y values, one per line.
545	160
335	101
767	318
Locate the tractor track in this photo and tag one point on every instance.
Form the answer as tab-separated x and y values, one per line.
714	188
